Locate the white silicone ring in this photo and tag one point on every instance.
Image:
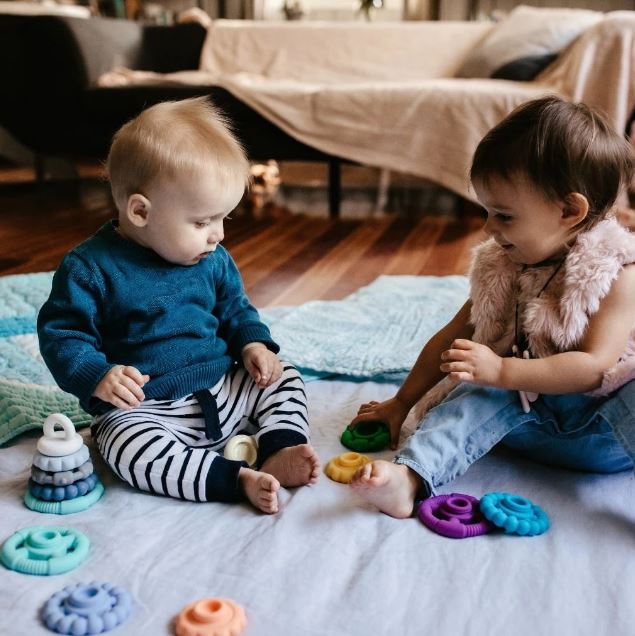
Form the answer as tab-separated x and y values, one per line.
59	443
242	448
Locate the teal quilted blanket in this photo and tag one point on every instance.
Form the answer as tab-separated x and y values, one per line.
374	334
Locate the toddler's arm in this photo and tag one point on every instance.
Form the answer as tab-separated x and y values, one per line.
571	372
423	376
68	330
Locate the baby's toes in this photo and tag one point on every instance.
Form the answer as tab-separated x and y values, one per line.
268	483
268	502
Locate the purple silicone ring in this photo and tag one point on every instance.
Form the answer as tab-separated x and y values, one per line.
456	516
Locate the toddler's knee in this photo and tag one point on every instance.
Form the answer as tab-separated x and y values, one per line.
289	372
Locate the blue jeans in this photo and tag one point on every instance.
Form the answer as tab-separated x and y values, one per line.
573	431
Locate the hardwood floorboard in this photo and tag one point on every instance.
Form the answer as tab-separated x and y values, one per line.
303	232
327	235
373	261
450	253
329	266
412	255
282	260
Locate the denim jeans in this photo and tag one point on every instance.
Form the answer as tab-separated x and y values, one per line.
573	431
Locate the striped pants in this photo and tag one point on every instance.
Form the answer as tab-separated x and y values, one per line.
172	447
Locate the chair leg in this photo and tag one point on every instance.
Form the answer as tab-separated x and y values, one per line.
383	190
40	168
335	187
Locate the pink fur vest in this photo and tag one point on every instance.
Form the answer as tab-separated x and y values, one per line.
556	319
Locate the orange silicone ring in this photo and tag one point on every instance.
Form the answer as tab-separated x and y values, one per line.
211	617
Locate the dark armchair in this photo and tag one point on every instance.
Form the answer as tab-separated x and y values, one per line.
51	103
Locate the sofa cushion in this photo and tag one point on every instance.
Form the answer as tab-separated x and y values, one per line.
526	41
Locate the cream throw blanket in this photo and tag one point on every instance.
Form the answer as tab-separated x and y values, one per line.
384	95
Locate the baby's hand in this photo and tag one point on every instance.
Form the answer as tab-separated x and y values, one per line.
469	361
392	412
121	386
262	364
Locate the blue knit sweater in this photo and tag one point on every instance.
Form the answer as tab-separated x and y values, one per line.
116	302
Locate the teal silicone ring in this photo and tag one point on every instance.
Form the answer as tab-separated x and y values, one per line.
366	437
66	507
514	514
44	550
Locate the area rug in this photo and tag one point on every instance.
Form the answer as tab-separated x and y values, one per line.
374	334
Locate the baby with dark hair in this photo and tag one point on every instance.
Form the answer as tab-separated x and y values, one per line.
542	355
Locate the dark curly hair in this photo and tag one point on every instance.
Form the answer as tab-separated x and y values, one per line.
559	147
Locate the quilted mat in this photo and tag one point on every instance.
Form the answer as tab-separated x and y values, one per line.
374	334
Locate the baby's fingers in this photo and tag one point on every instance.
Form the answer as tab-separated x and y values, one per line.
136	375
254	372
456	354
365	408
461	376
133	388
362	417
264	363
449	367
124	396
462	343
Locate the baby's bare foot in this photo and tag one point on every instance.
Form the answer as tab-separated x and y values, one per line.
294	465
390	487
260	488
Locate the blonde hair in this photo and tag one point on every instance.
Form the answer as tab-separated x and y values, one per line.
171	138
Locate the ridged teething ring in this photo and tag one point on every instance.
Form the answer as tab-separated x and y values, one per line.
59	443
515	514
366	437
457	516
344	466
211	617
44	550
87	609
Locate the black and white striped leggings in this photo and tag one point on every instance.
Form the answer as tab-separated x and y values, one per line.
172	447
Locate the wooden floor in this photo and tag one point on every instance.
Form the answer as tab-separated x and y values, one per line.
283	261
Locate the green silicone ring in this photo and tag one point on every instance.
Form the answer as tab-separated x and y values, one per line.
66	507
366	437
44	550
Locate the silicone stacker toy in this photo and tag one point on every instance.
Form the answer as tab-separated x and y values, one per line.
366	437
44	550
59	443
87	609
456	516
343	467
242	448
211	617
513	513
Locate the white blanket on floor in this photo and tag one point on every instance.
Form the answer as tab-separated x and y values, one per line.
329	564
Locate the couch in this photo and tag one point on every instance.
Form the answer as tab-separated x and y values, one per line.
410	97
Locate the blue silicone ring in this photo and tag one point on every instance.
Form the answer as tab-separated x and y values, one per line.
44	550
87	609
66	507
513	513
63	493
